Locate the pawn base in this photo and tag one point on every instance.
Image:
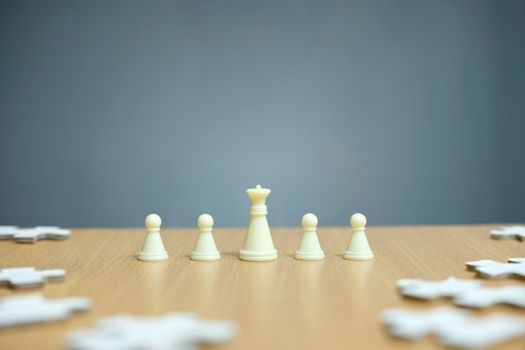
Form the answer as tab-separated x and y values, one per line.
153	257
248	255
309	255
205	256
358	255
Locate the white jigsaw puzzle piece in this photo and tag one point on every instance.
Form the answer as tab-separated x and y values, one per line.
466	293
170	331
482	333
422	289
29	277
418	324
34	308
494	269
453	327
485	297
509	232
32	235
125	332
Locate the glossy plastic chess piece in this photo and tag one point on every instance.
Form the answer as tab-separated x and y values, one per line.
309	248
258	245
153	248
358	248
205	249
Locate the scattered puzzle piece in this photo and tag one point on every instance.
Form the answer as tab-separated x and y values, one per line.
466	293
509	232
34	308
428	290
418	324
485	297
494	269
32	235
482	333
454	327
169	331
28	277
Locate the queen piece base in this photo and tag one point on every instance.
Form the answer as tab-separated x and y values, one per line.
247	255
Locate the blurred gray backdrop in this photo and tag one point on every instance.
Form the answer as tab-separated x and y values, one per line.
412	112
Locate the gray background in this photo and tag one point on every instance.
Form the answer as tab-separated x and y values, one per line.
409	111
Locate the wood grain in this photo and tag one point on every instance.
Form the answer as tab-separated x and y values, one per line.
286	304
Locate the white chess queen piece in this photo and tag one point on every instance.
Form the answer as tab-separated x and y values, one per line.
358	248
309	248
258	245
205	249
153	248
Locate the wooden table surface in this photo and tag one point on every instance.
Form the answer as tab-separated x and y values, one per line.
286	304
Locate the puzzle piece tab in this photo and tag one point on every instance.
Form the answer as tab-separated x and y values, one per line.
454	327
32	235
28	277
494	269
34	308
509	232
169	331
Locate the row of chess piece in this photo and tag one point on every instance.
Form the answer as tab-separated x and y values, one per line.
258	245
206	250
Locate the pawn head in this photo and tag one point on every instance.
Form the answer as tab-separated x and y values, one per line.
358	220
153	221
309	220
205	221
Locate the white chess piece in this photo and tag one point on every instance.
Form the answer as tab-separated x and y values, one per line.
309	248
205	250
358	248
153	248
258	245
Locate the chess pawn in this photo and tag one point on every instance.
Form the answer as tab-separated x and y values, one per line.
205	250
153	248
358	248
309	248
258	245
